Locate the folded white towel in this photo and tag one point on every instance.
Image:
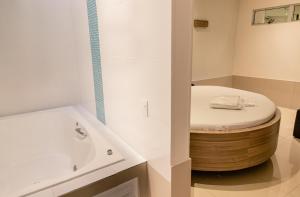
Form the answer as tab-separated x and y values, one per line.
249	102
227	102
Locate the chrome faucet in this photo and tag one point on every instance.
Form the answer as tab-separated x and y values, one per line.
82	132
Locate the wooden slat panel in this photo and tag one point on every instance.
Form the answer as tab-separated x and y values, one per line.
236	149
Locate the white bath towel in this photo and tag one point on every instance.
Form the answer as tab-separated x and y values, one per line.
227	102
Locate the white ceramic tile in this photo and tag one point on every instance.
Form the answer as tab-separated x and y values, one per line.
135	68
38	56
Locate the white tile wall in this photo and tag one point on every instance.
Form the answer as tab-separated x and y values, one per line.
136	62
45	58
37	56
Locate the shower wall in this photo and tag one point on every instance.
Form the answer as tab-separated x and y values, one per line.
83	57
37	56
45	58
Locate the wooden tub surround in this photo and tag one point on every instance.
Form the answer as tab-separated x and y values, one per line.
234	149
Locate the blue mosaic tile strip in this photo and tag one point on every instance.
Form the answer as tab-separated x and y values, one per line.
96	58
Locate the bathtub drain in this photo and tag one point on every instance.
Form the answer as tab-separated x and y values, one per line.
109	152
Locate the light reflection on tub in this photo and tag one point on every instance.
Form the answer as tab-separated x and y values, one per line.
41	149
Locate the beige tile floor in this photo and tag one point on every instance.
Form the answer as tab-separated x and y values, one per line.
279	177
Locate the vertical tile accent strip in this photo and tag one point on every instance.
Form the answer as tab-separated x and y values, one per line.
96	58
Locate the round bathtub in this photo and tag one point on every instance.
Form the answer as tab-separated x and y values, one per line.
225	140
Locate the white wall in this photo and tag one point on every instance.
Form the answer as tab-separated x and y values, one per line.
267	51
45	58
45	62
182	42
181	71
135	39
213	47
146	56
37	55
83	55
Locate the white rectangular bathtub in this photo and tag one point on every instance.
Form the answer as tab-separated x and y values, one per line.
42	149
